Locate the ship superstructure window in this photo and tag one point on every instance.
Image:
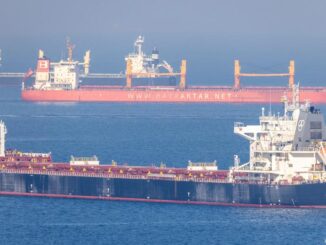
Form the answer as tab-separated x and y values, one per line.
315	125
250	134
316	135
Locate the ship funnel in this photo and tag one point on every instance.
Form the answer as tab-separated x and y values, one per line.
87	59
155	57
40	54
3	131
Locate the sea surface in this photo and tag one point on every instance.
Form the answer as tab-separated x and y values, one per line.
140	134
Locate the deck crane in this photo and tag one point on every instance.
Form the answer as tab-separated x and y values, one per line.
166	66
238	74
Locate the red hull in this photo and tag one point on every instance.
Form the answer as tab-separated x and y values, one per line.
315	95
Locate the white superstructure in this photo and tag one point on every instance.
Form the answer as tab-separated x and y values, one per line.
3	132
62	75
289	148
65	74
93	161
202	166
142	63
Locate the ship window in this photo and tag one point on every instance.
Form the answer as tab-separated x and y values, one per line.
250	134
316	135
315	125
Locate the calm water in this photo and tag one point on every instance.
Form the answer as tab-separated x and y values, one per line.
139	134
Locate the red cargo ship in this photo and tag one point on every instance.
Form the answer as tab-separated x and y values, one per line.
316	95
60	82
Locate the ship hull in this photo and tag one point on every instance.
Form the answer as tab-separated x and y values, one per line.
172	95
165	191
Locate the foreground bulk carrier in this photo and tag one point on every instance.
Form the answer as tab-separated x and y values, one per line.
286	169
59	81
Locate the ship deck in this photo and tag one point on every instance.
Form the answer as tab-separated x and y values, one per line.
114	171
38	163
44	166
41	163
194	87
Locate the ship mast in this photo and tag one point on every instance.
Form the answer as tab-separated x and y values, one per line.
138	45
70	48
295	103
295	96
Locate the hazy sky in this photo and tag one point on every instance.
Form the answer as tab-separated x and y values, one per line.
264	35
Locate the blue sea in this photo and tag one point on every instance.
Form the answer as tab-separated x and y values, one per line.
140	134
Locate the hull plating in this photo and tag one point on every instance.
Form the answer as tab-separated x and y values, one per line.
304	195
190	95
